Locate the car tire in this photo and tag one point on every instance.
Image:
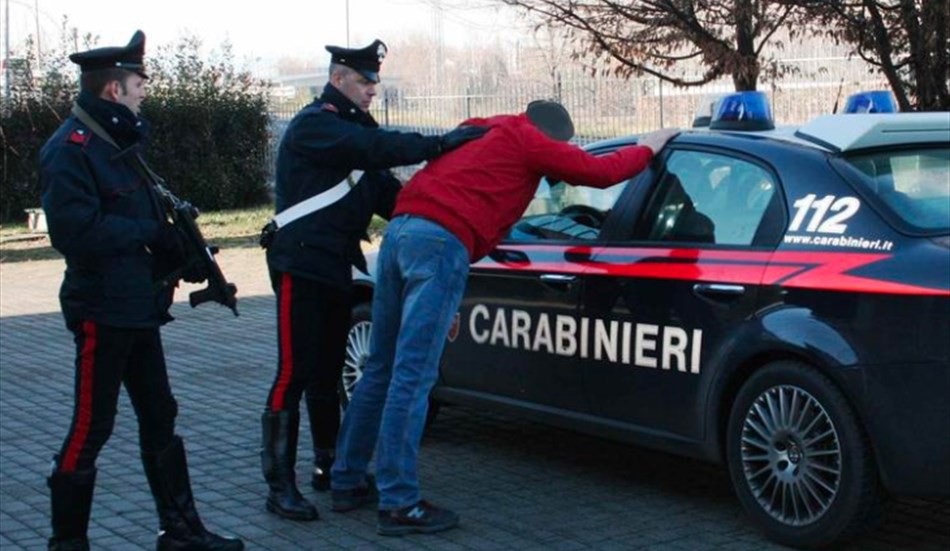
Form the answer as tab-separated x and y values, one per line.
357	351
799	459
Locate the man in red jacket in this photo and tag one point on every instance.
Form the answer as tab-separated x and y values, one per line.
451	213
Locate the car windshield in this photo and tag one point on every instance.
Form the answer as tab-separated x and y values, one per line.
566	212
914	184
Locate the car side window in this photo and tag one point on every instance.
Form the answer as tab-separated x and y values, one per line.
560	211
704	197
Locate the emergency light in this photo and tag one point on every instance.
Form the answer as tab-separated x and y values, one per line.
705	109
875	101
742	111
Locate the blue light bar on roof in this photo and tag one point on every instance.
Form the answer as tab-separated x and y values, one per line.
705	109
875	101
743	111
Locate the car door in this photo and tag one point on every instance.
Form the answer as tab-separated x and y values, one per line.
514	339
675	283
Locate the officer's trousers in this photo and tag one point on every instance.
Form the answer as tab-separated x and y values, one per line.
313	321
106	358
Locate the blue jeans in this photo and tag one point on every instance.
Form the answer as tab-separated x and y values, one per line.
421	273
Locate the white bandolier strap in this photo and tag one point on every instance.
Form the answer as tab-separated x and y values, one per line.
318	201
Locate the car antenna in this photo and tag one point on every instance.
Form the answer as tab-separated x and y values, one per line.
838	97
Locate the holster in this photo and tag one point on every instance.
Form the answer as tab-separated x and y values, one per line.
267	234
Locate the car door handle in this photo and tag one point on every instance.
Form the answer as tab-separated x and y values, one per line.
719	289
558	279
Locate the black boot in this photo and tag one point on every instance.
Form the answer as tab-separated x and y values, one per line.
322	463
278	460
324	411
71	498
181	528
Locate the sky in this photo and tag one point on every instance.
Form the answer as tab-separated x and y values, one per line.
269	29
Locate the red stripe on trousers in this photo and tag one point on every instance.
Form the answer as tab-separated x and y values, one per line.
87	364
286	368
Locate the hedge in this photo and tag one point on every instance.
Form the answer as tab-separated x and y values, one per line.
209	129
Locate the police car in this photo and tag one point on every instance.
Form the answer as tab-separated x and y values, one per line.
774	299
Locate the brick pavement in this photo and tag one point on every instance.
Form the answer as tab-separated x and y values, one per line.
517	485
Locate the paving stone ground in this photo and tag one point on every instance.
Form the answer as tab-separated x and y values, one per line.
517	484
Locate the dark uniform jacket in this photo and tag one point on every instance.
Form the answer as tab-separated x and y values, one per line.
101	213
324	142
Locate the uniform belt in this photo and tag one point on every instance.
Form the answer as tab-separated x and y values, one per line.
319	201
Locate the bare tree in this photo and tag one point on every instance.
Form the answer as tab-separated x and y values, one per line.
906	40
551	47
717	38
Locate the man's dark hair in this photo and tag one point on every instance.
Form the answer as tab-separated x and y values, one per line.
96	81
340	68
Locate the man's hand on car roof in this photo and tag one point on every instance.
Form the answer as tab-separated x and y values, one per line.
657	139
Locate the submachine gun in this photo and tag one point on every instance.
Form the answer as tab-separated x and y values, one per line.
199	263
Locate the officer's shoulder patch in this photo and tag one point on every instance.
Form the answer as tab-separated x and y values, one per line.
79	136
329	107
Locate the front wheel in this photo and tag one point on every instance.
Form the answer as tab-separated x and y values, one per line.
798	457
357	352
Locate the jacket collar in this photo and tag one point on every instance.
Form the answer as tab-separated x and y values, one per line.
346	108
116	120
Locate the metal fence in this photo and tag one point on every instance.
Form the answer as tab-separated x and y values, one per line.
604	107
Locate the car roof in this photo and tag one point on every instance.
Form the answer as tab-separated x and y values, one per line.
875	130
839	133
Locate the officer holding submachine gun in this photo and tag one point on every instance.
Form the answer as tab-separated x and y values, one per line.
110	217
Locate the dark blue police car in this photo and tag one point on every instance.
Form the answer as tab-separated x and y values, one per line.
777	300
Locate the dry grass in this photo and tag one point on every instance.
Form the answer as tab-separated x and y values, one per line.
237	228
225	229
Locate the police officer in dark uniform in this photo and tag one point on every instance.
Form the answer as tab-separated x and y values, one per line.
106	219
311	258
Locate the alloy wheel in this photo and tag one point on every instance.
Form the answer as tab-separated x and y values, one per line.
791	455
357	351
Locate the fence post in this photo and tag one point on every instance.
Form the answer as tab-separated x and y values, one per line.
468	103
386	108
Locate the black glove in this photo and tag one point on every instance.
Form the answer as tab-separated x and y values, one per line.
193	274
459	136
167	240
169	249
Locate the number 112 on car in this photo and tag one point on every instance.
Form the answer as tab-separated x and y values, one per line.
842	208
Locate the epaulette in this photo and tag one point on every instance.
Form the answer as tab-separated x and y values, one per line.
79	136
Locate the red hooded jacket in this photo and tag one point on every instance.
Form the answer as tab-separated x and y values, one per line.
480	189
